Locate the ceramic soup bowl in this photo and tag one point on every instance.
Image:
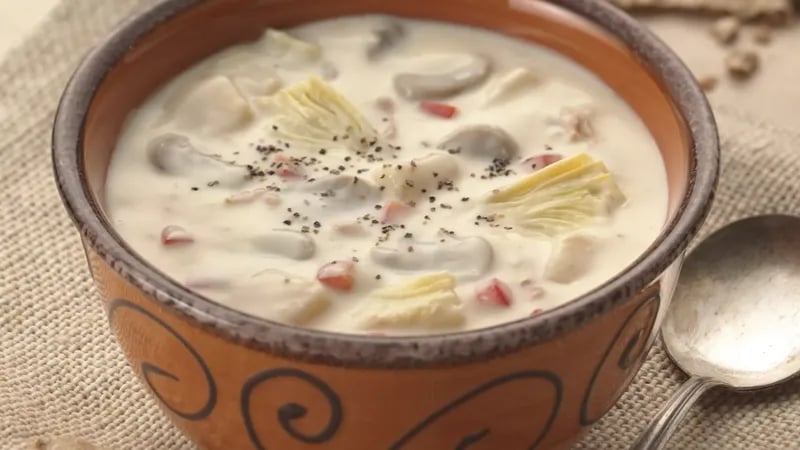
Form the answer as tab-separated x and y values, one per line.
233	381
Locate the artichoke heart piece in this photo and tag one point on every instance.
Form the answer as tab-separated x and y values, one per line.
290	49
314	113
426	302
570	194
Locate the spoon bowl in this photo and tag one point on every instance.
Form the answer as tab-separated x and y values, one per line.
735	311
733	316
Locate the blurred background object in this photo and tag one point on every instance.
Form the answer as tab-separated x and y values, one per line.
18	18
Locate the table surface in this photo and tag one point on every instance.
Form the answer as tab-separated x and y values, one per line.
17	20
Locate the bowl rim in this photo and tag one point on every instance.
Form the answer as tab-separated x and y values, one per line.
350	350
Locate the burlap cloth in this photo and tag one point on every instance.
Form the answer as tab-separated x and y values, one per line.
62	375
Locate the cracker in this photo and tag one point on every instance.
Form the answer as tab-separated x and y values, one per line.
746	9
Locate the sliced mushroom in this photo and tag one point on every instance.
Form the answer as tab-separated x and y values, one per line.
384	38
280	296
578	123
466	259
571	258
413	86
482	141
286	243
329	71
413	179
174	154
344	191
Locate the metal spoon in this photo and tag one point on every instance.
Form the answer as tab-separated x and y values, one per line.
733	319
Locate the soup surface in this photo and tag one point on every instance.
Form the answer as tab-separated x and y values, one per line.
390	176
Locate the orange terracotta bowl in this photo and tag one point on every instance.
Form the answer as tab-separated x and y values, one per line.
233	381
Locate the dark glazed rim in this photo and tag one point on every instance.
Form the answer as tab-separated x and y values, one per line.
400	352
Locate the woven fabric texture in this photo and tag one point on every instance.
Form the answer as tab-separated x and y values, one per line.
63	377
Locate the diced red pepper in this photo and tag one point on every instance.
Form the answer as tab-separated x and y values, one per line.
288	168
539	162
442	110
175	235
394	212
338	275
495	293
285	172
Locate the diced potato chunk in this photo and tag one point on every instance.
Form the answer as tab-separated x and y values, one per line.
572	257
426	302
290	50
412	179
214	106
281	297
510	86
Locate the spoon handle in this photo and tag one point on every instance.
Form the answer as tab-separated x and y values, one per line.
663	425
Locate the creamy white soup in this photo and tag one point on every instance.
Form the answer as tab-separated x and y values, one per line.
387	176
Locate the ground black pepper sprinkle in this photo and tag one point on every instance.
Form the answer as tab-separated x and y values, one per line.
322	151
378	207
378	277
287	222
195	189
409	235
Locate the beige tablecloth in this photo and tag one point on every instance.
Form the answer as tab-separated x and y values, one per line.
61	375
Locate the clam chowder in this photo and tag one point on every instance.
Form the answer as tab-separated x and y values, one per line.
387	176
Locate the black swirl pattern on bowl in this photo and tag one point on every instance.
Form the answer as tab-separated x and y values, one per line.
150	370
291	412
470	439
623	355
